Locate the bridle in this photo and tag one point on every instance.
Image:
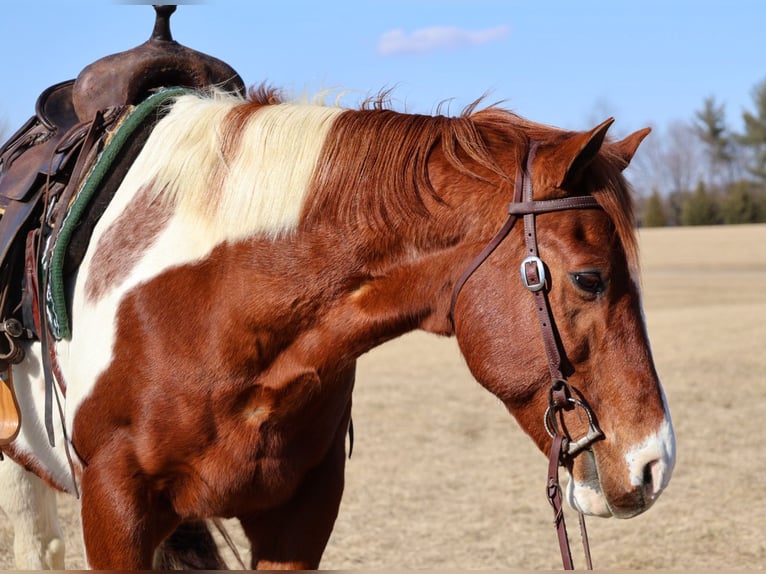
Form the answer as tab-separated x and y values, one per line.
534	278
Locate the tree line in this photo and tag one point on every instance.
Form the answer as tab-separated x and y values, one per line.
706	173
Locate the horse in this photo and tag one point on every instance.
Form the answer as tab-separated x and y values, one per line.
258	246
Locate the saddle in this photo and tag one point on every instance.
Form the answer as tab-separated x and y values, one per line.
44	163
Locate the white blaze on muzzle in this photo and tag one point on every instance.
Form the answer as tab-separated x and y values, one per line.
649	465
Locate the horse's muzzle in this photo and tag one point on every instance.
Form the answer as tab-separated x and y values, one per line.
625	489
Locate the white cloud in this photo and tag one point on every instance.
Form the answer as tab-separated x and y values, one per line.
437	38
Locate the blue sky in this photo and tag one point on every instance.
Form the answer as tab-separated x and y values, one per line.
566	63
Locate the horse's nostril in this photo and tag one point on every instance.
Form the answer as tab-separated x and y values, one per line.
652	479
647	477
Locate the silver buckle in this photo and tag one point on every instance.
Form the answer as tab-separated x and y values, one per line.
540	273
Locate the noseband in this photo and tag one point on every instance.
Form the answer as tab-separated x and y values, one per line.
534	278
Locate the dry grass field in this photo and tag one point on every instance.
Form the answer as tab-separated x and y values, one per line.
442	478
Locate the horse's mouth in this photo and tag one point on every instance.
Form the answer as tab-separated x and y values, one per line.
585	495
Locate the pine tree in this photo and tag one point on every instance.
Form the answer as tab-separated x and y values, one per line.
754	137
742	204
710	127
654	211
700	208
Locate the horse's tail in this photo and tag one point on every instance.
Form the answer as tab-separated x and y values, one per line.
192	547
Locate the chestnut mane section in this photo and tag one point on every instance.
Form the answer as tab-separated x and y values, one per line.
373	170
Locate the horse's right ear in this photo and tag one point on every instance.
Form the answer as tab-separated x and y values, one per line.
626	148
577	151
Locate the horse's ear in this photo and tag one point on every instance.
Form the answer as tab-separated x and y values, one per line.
579	150
626	149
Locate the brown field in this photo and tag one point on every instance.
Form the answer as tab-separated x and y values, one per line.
441	476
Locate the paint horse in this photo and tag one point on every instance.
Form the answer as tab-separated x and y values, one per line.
257	247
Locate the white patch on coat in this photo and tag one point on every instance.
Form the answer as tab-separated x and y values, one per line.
265	183
265	188
586	496
656	455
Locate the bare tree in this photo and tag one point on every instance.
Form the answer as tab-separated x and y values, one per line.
671	160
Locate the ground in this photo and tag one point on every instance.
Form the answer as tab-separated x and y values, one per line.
442	478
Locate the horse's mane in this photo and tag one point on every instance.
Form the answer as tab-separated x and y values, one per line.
231	172
263	165
379	180
374	170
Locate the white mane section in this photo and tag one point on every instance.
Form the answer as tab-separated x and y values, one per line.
262	189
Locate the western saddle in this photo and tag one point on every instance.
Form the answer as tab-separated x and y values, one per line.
44	162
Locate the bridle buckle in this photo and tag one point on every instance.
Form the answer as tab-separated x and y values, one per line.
533	282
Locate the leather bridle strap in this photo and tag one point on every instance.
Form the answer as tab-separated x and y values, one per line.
488	249
554	497
533	275
533	271
534	278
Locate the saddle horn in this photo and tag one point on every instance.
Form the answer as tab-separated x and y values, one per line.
128	77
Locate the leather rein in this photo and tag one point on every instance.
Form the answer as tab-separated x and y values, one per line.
534	278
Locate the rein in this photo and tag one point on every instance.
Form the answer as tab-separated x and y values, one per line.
534	278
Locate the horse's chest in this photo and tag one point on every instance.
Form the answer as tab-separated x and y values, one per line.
262	467
213	453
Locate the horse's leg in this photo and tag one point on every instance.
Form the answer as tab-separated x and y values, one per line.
294	536
190	547
30	506
121	525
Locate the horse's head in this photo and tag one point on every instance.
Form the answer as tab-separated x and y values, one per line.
589	260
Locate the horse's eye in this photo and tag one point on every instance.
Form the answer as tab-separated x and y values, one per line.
589	281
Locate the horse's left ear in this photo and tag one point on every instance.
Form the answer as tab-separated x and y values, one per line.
579	150
626	149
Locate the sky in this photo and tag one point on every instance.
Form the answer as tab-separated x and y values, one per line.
560	62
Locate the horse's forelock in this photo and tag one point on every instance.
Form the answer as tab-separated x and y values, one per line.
614	194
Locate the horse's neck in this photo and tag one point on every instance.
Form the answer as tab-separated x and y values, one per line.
333	289
400	278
